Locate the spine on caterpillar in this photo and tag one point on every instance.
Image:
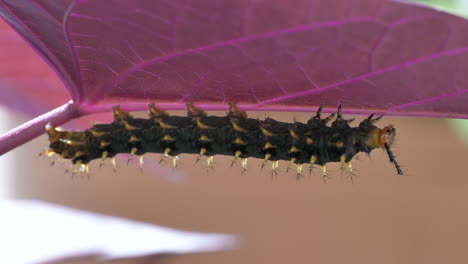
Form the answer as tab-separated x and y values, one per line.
312	143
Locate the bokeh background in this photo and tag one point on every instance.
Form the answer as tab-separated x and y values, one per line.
421	217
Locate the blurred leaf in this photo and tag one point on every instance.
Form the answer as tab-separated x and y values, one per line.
34	232
461	128
452	6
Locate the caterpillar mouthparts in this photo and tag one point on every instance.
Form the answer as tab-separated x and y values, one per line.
235	135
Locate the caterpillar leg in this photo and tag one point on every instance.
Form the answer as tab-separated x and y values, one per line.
175	159
274	167
236	157
324	174
350	171
74	168
46	152
210	162
133	151
70	168
291	162
114	164
312	161
244	165
165	155
141	161
343	163
80	168
59	158
84	168
199	157
298	172
347	165
265	160
103	158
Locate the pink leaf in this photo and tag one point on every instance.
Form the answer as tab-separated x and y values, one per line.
372	56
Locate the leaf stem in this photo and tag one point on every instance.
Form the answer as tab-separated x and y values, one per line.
35	127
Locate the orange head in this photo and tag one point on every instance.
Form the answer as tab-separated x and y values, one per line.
386	136
380	137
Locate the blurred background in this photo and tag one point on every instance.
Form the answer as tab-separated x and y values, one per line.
380	218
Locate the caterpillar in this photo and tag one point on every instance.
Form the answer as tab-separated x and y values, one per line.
235	134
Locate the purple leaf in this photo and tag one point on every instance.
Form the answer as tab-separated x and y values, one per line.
372	56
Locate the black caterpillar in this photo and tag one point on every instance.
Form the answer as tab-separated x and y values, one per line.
233	135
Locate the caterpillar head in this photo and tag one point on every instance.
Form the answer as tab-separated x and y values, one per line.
379	137
386	136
